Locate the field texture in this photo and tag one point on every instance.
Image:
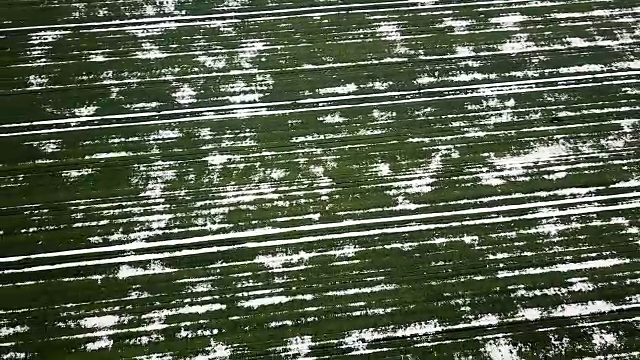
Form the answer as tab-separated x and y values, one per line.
260	179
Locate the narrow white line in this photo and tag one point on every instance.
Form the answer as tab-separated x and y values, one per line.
325	99
358	234
262	112
296	11
274	231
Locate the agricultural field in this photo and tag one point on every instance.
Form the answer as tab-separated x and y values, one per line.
319	179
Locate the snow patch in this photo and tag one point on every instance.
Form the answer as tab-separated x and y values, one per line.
358	340
629	183
332	118
591	264
277	174
458	25
602	340
37	81
344	89
234	3
249	50
216	63
184	95
382	115
143	106
102	343
164	134
298	345
105	321
155	267
514	166
531	314
501	349
508	20
215	350
278	260
12	355
244	93
46	146
425	79
217	159
6	331
275	324
517	43
150	51
74	174
272	300
47	36
366	290
383	169
580	309
154	177
379	85
85	111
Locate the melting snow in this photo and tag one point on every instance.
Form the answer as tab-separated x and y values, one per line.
248	93
517	43
383	169
162	7
234	3
150	52
278	174
105	321
47	36
299	345
359	339
344	89
275	324
37	81
514	165
212	62
217	159
85	111
13	355
165	134
378	85
602	340
366	290
276	261
109	155
188	309
390	31
143	105
630	183
47	146
216	350
509	20
102	343
592	307
530	314
155	267
332	118
458	25
501	349
6	331
592	264
156	178
184	95
272	300
383	115
198	333
425	79
249	50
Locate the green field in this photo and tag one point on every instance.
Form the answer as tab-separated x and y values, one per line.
328	179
